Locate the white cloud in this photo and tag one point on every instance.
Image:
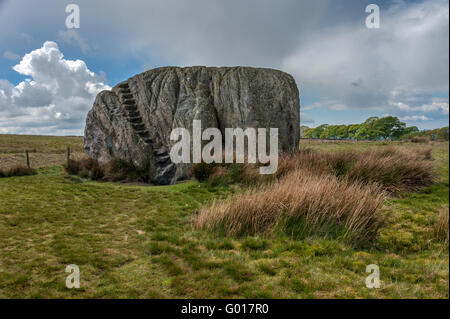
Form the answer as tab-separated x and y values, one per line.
306	119
73	37
10	55
438	107
56	97
435	106
415	118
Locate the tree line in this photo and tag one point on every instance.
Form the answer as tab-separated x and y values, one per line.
374	128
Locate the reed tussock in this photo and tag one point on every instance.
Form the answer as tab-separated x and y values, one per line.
394	168
420	139
116	170
18	170
301	204
326	194
441	226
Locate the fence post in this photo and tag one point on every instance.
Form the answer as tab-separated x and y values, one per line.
28	159
68	155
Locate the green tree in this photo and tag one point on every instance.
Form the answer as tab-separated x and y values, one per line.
353	130
374	128
389	127
303	129
442	134
342	132
308	133
369	130
319	130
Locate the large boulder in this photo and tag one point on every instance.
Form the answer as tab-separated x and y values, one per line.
134	120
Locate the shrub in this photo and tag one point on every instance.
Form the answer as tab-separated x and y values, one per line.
220	177
97	172
120	170
73	167
203	171
18	171
115	170
441	226
420	139
300	204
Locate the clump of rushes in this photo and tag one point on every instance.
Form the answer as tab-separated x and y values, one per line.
300	204
85	167
395	169
203	171
441	226
18	171
120	170
116	170
420	139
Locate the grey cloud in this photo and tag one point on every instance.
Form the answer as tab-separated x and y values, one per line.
325	44
10	55
407	58
74	38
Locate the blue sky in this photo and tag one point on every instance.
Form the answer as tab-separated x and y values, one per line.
49	75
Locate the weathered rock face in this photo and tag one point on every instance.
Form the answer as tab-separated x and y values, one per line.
134	120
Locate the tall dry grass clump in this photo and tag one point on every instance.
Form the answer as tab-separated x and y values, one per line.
17	170
420	139
394	168
333	194
116	170
301	204
441	227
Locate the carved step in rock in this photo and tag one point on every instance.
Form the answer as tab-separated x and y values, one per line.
133	113
163	159
131	109
127	96
135	119
164	175
160	152
129	102
142	133
139	126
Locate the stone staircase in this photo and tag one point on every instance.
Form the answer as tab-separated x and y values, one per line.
165	169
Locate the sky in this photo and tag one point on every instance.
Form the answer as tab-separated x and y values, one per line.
346	72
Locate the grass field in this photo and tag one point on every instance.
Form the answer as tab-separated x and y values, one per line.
136	241
43	150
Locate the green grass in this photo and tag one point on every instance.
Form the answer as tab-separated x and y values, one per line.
39	143
134	241
43	150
